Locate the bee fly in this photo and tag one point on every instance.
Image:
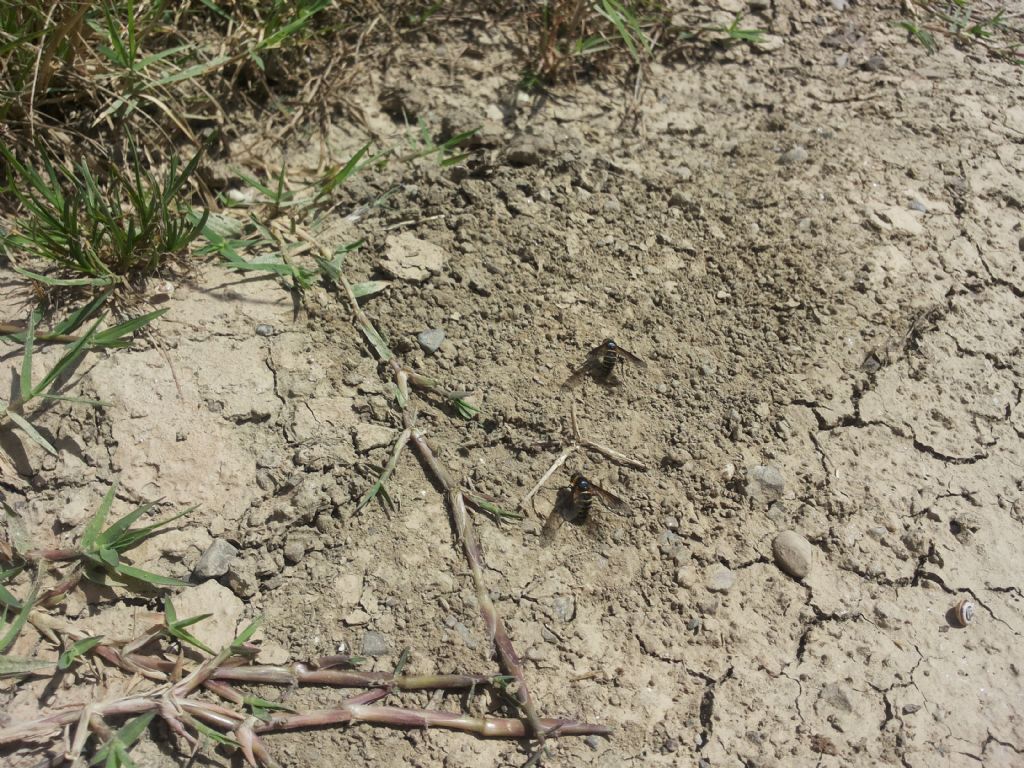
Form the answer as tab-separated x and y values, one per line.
574	503
601	363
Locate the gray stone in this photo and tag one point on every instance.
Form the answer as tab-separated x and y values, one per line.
564	608
528	150
909	709
765	483
686	576
793	554
370	436
917	205
795	156
683	173
294	550
837	697
412	259
720	579
465	634
215	561
430	340
375	644
592	741
265	330
241	578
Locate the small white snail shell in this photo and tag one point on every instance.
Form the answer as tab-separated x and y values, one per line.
963	613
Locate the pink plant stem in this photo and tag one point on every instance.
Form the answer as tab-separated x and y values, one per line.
301	674
475	557
467	535
492	727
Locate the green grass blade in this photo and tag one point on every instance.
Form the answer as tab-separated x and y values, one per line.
80	400
261	708
26	361
149	578
170	615
111	535
238	643
134	537
81	647
126	735
283	33
189	638
19	666
369	288
211	734
95	526
113	336
31	431
464	408
6	598
336	179
68	358
190	73
376	340
58	281
14	629
77	318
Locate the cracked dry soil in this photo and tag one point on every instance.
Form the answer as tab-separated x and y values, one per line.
850	315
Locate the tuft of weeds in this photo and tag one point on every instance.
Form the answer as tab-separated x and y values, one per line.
100	234
565	35
100	550
99	553
966	24
47	387
447	152
719	35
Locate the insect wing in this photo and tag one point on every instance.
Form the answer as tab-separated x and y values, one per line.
578	374
638	362
551	526
608	498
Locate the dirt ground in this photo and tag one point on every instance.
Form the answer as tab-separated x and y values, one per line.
815	244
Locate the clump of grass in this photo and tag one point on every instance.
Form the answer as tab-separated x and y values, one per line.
719	35
565	35
100	234
965	23
99	553
47	387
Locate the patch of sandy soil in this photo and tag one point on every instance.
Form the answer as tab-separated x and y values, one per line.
816	247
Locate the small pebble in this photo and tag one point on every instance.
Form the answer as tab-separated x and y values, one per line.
909	709
370	436
592	741
683	173
467	637
792	554
215	560
795	156
529	150
265	330
430	340
874	63
686	576
294	550
720	579
917	205
765	483
564	608
375	644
